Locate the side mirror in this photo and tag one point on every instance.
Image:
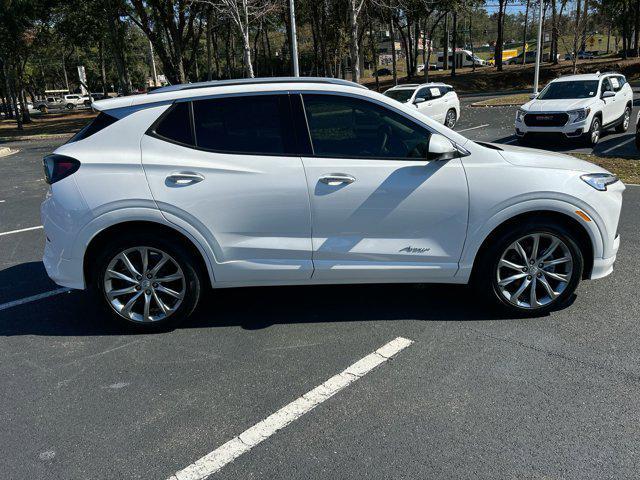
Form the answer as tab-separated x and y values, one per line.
533	95
608	94
419	100
441	148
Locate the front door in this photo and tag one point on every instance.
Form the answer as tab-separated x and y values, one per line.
237	178
380	211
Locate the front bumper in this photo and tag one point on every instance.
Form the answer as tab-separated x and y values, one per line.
604	266
569	130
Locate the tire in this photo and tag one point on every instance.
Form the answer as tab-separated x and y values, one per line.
638	137
593	135
165	308
498	279
42	109
626	120
70	106
450	118
524	140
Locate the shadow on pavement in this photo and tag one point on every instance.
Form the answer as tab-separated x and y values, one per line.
76	313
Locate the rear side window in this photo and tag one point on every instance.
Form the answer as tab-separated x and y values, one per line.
253	124
175	125
102	121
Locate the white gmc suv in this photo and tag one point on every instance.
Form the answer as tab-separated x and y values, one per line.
436	100
578	106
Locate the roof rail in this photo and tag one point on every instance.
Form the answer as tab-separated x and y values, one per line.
255	81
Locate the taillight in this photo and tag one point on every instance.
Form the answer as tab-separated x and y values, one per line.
57	167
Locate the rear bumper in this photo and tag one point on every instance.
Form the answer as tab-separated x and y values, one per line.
604	266
63	271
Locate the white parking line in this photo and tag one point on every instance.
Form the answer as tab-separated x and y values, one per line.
33	298
619	145
473	128
2	234
214	461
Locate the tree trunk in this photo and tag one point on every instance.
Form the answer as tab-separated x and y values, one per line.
445	44
208	43
554	32
524	35
394	60
103	72
575	37
374	56
497	53
454	42
354	52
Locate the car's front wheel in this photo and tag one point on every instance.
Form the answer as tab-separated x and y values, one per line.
531	269
593	135
626	120
146	281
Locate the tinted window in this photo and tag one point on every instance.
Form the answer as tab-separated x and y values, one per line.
403	95
354	128
570	89
606	85
175	125
103	120
424	93
248	124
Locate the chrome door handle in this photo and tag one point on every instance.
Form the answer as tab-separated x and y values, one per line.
335	179
182	179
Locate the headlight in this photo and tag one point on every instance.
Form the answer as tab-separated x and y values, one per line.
520	115
579	115
599	181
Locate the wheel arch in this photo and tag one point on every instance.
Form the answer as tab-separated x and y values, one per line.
583	238
146	227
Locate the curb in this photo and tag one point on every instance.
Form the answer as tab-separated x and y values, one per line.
479	105
27	138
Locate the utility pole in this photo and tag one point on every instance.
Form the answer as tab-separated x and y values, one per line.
539	51
153	65
294	39
454	43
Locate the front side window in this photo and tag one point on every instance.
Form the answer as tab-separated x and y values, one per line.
347	127
606	85
253	124
573	89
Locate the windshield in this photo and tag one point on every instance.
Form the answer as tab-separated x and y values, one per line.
399	95
562	90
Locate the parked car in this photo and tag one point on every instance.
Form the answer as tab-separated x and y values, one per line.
530	57
582	55
436	100
48	103
383	72
300	181
74	100
578	106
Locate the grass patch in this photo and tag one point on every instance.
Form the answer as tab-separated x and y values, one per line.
45	125
627	169
504	100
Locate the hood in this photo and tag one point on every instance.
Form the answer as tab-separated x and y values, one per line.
557	105
532	157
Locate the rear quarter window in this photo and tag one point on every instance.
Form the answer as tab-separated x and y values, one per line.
175	124
102	121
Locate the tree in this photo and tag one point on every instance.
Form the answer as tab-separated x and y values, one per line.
502	4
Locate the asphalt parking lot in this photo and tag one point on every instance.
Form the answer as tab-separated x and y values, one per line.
476	395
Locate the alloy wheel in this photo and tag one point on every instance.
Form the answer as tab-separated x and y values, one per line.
595	132
451	119
627	119
534	270
144	284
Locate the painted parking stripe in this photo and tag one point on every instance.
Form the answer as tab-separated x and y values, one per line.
619	145
214	461
473	128
11	232
33	298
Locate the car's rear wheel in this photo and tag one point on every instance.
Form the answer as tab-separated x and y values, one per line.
593	135
531	269
626	120
70	106
450	119
148	282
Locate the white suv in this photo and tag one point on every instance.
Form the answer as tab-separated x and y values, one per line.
435	100
312	181
578	106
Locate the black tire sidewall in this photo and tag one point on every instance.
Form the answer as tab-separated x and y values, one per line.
486	279
620	128
194	278
593	124
446	118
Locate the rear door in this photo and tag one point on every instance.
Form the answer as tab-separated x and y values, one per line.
434	106
228	166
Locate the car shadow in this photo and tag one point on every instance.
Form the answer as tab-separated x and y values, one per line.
253	308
